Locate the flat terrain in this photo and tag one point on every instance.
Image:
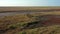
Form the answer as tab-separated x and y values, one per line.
28	20
27	8
4	11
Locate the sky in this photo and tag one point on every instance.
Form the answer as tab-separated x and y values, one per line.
29	2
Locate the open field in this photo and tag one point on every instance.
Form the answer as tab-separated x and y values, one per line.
43	21
28	8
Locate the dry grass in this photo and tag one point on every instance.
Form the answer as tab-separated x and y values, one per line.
8	24
27	8
54	29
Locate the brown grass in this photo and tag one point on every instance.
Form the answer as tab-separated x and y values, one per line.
27	8
25	23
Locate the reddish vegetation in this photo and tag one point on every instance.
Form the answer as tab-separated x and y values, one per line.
52	20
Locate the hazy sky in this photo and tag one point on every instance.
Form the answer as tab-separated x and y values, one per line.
29	2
